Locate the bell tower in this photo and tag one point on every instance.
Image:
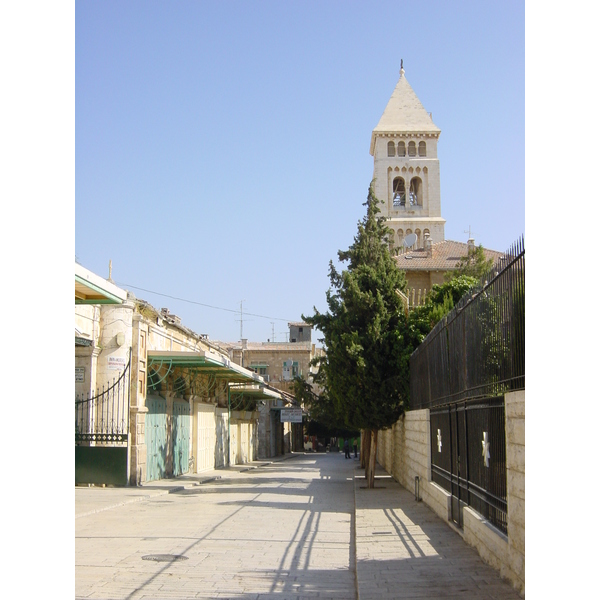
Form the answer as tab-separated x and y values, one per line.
406	167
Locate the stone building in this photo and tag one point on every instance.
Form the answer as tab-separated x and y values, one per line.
406	177
428	266
278	363
153	398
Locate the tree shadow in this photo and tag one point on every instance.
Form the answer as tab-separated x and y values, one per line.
297	573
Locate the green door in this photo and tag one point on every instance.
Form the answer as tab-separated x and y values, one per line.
156	438
181	437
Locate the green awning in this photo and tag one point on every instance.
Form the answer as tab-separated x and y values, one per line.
205	362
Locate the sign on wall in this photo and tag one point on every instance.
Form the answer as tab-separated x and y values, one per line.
116	363
79	374
291	415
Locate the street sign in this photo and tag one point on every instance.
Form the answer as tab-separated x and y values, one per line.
291	415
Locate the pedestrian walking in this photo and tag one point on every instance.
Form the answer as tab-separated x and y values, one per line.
355	445
347	448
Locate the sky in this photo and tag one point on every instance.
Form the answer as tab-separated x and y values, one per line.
222	148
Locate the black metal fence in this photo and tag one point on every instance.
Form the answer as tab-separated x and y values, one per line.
461	372
478	349
104	417
468	457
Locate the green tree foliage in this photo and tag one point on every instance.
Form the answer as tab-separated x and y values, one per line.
440	301
323	420
362	331
474	264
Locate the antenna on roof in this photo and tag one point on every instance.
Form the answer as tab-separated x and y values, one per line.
469	232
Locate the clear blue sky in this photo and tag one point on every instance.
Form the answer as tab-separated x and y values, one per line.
222	148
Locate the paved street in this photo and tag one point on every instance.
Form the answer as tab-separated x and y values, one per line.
281	531
284	530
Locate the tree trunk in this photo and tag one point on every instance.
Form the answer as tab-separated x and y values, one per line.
365	450
372	460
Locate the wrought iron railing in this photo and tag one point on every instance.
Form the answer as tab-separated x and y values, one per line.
478	349
103	418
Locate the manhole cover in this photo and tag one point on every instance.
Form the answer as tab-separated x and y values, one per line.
164	557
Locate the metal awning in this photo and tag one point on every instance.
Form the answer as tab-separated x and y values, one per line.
204	361
93	289
258	392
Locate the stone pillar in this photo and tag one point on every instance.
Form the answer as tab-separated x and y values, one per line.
515	486
137	403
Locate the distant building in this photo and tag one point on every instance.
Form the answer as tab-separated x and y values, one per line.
278	363
300	332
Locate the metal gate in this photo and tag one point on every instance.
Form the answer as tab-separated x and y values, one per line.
102	433
181	437
156	438
468	457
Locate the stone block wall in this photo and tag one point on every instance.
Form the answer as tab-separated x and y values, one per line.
404	452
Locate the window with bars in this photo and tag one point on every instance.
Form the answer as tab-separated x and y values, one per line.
391	149
412	149
422	149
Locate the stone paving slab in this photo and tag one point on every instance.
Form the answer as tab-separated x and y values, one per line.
303	528
405	551
283	530
90	499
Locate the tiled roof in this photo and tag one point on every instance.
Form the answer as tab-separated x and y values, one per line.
444	256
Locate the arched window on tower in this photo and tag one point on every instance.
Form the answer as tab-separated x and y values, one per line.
401	149
415	193
422	149
399	193
412	149
391	149
418	234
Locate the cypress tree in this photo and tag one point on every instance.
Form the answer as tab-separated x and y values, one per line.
364	370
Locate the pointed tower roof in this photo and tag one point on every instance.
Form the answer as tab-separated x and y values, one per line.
404	113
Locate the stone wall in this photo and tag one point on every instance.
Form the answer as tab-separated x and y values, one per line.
404	452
